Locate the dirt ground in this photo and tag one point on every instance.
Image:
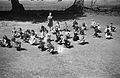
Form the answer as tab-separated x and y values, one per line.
98	59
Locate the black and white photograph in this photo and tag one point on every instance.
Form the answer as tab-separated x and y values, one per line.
59	38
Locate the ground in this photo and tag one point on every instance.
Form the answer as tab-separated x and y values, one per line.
98	59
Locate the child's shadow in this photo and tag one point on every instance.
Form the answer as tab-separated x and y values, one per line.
83	43
44	49
71	46
35	44
21	49
109	38
54	52
97	36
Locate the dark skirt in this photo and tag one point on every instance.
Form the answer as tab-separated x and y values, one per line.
50	23
75	38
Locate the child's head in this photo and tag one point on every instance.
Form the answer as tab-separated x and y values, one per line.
83	24
74	19
107	26
65	23
14	28
42	27
4	37
75	33
20	29
15	32
111	23
28	30
32	32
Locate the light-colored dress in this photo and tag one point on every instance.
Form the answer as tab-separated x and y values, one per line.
93	23
60	48
32	39
108	34
42	34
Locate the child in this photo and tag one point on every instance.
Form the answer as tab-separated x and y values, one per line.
17	44
67	34
6	42
82	40
84	26
15	34
93	23
43	31
32	39
98	28
20	33
81	30
28	32
58	25
13	30
66	27
50	47
60	49
1	42
96	32
67	43
26	36
47	37
41	45
53	30
108	33
57	31
76	37
74	23
61	40
112	27
76	28
58	37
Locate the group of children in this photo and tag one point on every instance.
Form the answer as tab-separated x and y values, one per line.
108	30
62	36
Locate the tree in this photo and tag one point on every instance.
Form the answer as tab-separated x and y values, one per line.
77	7
93	2
16	6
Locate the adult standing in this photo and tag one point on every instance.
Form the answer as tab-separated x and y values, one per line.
50	20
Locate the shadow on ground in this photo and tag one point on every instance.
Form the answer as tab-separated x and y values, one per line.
38	16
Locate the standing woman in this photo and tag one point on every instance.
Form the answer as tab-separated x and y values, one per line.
50	20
